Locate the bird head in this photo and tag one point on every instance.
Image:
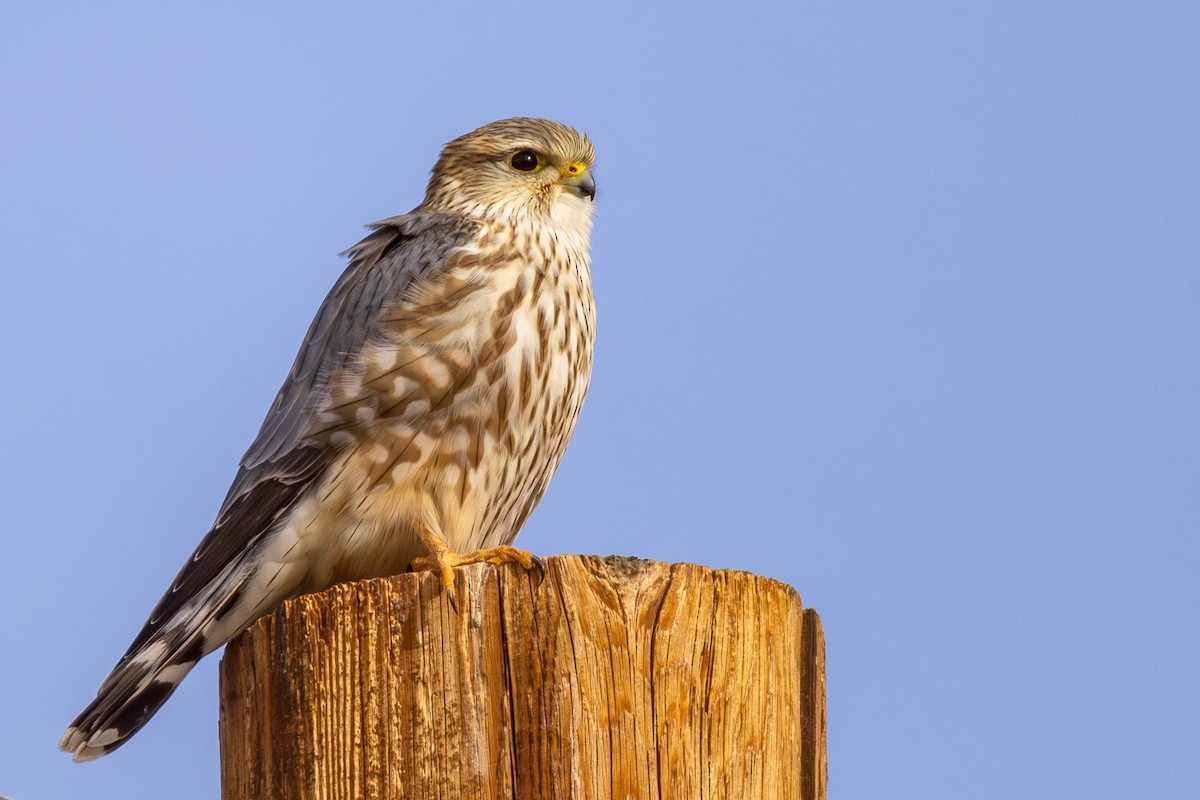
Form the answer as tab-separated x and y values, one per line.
515	169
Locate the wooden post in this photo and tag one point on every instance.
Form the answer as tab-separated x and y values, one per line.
613	678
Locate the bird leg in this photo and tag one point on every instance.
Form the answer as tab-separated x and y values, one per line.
443	560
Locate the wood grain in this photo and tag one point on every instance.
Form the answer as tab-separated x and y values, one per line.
612	678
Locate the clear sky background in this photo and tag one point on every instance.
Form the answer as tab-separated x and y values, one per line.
899	303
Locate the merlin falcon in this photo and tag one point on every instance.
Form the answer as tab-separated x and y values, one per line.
430	404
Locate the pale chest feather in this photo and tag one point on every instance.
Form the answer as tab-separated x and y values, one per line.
467	400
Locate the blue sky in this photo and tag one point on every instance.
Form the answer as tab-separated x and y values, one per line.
899	304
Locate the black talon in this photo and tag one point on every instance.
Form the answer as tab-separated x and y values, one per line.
541	568
453	601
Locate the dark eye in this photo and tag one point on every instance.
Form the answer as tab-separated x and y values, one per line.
524	161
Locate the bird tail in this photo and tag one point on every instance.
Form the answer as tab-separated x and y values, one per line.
137	687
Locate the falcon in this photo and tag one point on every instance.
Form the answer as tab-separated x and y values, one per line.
430	404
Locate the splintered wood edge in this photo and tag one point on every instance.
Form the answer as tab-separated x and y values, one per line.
616	567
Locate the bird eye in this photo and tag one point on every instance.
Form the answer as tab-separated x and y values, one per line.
525	161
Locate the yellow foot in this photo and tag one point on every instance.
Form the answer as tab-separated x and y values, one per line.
443	561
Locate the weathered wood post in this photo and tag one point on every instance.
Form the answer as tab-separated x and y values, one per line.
613	678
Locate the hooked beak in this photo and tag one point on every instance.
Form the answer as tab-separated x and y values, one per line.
580	182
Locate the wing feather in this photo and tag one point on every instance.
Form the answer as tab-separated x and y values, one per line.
283	463
397	252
